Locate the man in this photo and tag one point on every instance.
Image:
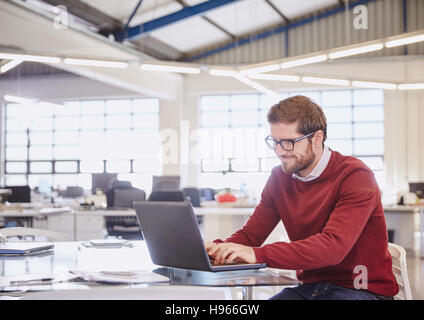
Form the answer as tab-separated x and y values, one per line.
330	205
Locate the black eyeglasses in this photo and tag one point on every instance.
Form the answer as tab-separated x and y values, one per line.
286	144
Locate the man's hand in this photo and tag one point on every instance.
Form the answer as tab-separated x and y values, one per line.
230	252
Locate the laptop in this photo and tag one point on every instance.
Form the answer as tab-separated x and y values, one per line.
23	248
173	237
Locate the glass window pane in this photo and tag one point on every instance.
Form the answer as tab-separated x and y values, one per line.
67	123
16	167
92	145
215	165
374	163
16	138
251	165
40	167
16	153
336	98
244	118
15	180
66	152
146	121
66	137
339	131
118	106
40	153
369	146
41	138
91	166
68	109
94	107
145	144
368	113
244	102
214	119
84	181
41	181
333	114
117	166
314	95
266	102
342	146
146	165
14	124
41	124
368	97
61	181
214	103
145	105
369	130
268	163
66	166
93	122
116	149
118	122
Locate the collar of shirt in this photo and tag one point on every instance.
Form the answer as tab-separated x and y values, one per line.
320	167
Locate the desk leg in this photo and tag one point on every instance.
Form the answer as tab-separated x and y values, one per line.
247	293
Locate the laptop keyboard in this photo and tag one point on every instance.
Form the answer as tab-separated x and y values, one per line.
224	264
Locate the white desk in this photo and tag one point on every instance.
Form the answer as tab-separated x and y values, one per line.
72	256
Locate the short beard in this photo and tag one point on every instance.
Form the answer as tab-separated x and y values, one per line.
302	162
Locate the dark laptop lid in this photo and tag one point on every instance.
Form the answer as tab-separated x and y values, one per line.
172	234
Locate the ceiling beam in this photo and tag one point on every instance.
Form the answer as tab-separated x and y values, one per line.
286	20
185	13
210	21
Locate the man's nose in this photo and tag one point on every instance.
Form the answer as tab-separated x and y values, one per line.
280	151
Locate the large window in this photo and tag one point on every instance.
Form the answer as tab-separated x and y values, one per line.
233	128
62	145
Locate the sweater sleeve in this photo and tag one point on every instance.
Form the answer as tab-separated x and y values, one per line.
261	223
358	197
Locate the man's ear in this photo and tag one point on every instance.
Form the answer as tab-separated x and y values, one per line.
318	138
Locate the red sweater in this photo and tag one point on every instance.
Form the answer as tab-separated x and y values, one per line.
335	223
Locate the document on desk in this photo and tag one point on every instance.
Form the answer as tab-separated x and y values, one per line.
129	277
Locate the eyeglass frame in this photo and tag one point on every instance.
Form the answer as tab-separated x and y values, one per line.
293	141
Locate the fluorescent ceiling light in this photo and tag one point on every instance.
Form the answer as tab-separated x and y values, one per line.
411	86
404	41
374	85
16	99
357	50
223	73
330	81
275	77
301	62
169	68
10	65
96	63
268	68
26	57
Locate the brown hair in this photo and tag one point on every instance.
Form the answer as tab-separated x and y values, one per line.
309	115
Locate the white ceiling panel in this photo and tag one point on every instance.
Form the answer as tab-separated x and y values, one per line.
293	9
148	10
242	17
190	34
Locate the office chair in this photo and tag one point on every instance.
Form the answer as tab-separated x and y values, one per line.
193	194
400	271
121	194
73	192
167	196
208	194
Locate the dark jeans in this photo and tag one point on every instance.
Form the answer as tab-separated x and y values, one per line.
325	291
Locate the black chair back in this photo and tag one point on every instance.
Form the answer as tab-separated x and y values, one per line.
167	196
